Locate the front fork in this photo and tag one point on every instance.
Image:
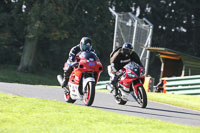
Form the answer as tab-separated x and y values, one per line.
85	81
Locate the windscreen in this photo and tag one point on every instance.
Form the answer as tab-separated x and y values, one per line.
89	56
132	66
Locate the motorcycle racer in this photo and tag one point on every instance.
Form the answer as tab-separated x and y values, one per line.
85	45
118	59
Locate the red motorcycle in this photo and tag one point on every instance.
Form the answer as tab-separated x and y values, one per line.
130	85
83	79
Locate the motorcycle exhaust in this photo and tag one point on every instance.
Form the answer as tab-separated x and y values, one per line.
60	79
108	87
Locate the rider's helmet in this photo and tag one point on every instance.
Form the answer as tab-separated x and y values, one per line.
86	44
127	48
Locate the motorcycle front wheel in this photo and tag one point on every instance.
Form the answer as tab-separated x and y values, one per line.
141	97
89	93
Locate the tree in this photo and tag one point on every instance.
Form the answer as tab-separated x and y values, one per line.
41	23
34	30
68	23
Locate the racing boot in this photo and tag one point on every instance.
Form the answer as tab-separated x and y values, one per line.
114	87
115	91
65	79
67	73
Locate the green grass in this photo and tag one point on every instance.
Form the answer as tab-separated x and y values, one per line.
186	101
9	74
20	114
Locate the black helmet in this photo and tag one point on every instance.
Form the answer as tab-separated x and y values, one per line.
86	44
127	48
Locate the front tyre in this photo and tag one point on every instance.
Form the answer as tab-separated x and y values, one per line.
89	93
142	97
67	96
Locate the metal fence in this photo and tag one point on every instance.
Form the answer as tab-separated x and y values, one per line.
129	28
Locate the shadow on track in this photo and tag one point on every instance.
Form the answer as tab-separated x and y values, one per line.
122	110
164	110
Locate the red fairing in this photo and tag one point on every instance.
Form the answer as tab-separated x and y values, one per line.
132	73
130	85
136	86
86	64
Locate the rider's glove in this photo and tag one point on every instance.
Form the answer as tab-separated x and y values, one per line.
119	73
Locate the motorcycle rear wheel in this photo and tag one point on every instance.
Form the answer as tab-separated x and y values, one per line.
119	100
89	93
67	96
142	97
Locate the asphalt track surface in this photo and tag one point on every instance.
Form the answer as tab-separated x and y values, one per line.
105	101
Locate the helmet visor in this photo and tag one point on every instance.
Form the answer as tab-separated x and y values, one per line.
127	51
86	47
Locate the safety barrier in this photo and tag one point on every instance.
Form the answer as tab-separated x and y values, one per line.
187	85
102	84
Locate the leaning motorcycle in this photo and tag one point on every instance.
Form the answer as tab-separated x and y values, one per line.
130	85
83	79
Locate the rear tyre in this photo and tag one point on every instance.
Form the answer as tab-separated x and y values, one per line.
119	100
67	96
89	93
142	97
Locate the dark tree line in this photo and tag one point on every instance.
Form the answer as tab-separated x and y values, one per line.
39	34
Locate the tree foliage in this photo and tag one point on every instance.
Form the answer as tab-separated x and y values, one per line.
52	27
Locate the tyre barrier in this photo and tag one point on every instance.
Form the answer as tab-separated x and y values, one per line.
187	85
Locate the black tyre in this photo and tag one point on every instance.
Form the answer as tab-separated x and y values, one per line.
89	93
142	97
67	96
119	100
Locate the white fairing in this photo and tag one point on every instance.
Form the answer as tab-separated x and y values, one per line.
74	93
127	96
86	80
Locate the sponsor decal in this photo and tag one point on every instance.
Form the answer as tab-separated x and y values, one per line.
124	61
91	63
76	78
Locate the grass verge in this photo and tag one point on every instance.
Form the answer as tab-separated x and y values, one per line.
186	101
9	74
20	114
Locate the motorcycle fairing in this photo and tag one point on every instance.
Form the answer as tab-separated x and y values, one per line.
126	81
74	92
75	77
86	80
136	86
